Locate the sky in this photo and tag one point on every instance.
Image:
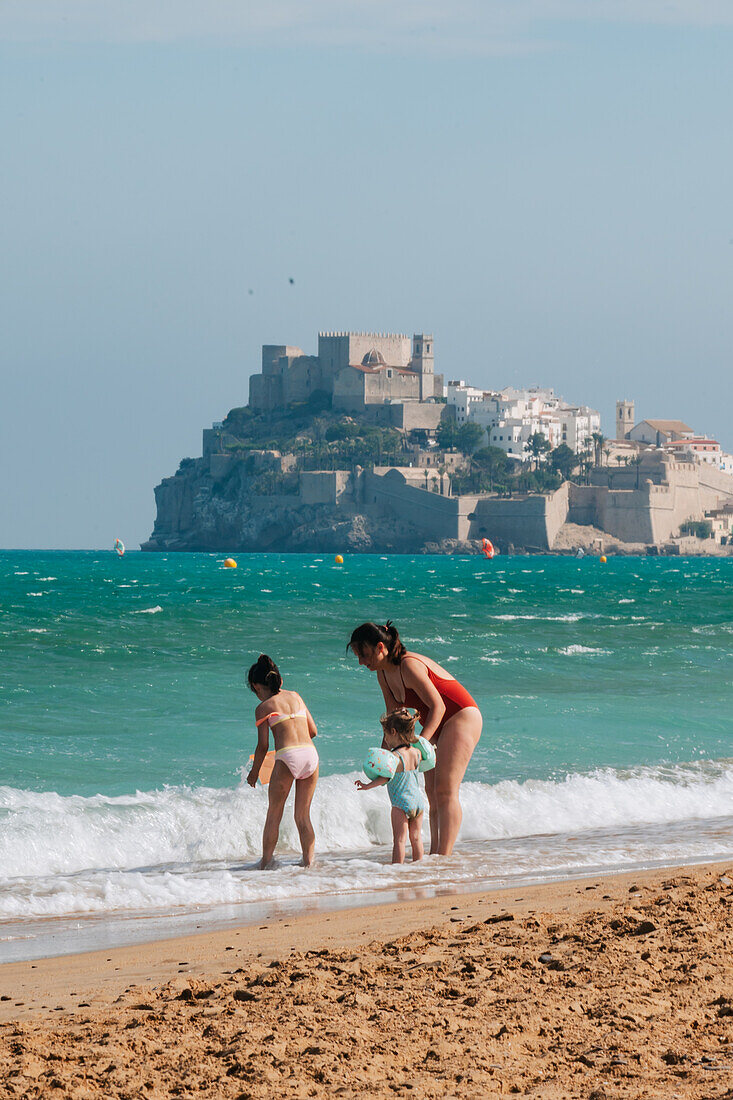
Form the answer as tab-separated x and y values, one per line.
544	185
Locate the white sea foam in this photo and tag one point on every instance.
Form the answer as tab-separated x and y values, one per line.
571	617
195	846
148	610
573	650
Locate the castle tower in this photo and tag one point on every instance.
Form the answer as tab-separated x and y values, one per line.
624	418
423	361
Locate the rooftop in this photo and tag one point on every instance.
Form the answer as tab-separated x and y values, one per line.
668	425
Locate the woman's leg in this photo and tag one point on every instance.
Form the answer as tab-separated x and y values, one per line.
304	790
278	790
432	809
415	829
399	833
458	738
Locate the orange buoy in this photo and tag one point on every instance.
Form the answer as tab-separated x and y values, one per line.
339	559
487	548
229	563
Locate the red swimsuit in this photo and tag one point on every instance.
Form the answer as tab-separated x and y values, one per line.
453	694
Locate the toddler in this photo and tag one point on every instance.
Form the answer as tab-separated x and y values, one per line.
405	794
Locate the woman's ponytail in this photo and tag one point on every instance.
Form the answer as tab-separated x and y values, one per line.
369	635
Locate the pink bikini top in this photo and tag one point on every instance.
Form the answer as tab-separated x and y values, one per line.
275	717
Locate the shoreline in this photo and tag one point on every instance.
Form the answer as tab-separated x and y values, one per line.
552	991
106	970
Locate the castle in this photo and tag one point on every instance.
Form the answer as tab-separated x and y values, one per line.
390	377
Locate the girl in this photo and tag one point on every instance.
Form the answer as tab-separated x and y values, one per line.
285	715
408	802
449	717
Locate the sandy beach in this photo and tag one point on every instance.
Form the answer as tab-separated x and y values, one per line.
607	987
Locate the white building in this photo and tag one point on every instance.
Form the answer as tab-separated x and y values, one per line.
461	397
510	416
707	451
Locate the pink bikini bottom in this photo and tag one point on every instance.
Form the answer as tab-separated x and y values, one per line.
300	760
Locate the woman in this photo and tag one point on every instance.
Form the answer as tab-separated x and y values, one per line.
448	715
285	715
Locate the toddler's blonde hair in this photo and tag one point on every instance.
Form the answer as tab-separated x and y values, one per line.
401	722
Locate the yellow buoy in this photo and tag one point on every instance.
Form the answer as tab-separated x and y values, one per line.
603	559
339	560
229	563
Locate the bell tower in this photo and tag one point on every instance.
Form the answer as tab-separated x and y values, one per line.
624	418
423	362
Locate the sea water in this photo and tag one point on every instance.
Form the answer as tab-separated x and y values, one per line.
126	726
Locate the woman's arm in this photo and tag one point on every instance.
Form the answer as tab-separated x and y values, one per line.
312	727
263	743
415	675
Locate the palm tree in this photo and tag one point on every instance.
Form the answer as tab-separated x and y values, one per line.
598	440
636	461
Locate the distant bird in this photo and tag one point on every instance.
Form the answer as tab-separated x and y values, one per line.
250	291
292	282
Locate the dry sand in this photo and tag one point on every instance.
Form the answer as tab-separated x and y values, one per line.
606	988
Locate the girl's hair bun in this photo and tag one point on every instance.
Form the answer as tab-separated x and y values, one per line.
266	673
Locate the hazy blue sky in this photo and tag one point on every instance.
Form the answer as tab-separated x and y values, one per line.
544	184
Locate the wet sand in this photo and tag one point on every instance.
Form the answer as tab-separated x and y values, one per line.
602	988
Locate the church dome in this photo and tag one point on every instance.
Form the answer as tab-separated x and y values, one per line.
373	358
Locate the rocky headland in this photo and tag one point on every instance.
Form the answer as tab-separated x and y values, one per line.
307	479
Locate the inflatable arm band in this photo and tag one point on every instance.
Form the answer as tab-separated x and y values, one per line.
427	752
380	764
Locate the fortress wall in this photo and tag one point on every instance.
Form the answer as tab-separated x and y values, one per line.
266	391
302	378
273	353
323	486
626	514
716	483
380	387
522	521
348	390
396	349
339	350
583	504
652	513
419	416
408	416
556	512
436	516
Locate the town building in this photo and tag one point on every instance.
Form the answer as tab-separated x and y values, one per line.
658	432
510	416
673	436
704	450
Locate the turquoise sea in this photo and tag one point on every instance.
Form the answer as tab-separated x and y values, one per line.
126	724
